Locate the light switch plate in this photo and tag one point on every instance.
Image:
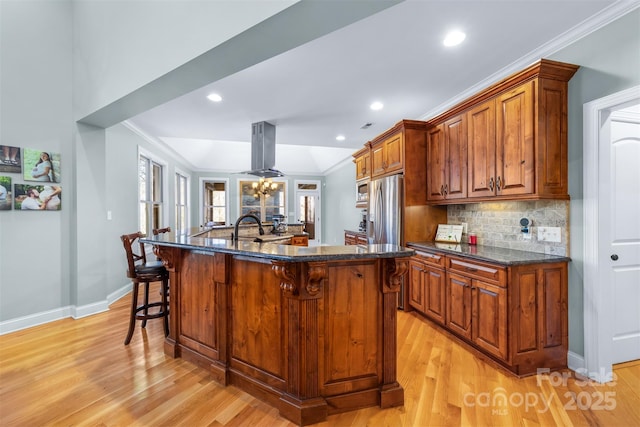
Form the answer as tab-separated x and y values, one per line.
549	234
464	227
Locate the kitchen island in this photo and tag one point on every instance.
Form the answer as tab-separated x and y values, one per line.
310	330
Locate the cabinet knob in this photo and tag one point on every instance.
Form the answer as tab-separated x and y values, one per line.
614	257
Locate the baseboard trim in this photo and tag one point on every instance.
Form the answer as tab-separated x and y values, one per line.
75	312
576	362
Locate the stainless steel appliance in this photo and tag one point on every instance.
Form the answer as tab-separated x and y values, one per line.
385	215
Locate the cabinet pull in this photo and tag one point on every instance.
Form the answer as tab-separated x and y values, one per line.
491	183
499	184
472	270
442	190
446	189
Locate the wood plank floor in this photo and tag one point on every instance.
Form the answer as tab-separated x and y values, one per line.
79	373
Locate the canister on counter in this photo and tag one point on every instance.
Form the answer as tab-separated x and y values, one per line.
473	239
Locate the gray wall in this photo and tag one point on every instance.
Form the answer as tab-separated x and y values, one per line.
36	112
609	62
339	208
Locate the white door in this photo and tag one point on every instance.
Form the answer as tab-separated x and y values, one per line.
308	209
619	228
611	207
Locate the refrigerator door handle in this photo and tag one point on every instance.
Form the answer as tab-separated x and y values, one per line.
378	226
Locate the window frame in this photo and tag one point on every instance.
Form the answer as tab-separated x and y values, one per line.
263	216
180	173
201	205
164	191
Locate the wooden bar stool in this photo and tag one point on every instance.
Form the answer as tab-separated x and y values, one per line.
141	271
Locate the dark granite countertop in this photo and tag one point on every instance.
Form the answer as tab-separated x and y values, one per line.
493	254
278	252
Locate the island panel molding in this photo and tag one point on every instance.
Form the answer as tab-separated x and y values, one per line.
311	331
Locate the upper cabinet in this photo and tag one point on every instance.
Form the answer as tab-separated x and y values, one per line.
387	155
509	140
447	160
362	159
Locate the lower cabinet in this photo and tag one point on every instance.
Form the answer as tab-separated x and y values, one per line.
353	238
516	314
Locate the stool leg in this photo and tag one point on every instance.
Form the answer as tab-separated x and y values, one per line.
132	318
146	304
165	306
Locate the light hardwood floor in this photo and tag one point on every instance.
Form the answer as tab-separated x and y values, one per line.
79	373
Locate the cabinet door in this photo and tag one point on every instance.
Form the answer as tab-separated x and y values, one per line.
458	313
377	160
436	161
481	146
455	184
362	166
416	285
434	293
489	318
515	141
394	153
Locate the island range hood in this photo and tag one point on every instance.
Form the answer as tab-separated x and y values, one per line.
263	150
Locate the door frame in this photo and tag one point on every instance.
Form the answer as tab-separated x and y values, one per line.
598	303
318	192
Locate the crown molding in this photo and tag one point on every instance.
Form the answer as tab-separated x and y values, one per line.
588	26
159	144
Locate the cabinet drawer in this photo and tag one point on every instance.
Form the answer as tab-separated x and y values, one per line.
361	239
479	270
430	258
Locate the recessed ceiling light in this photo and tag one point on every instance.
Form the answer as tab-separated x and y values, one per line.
214	97
340	138
454	38
376	106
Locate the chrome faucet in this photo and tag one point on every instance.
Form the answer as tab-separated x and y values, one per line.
239	220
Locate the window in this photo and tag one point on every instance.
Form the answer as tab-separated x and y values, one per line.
150	188
182	203
263	198
214	202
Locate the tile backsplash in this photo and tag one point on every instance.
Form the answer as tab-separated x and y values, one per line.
498	223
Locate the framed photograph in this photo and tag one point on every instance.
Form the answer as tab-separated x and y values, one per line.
5	193
41	166
10	159
37	197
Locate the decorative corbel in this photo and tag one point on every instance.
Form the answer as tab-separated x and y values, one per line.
286	273
395	269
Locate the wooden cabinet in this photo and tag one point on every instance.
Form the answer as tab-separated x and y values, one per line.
427	286
447	160
353	238
387	156
302	240
515	314
362	159
516	139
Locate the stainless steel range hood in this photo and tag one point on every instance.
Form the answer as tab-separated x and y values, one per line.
263	150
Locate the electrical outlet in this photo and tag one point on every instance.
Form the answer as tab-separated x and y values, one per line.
549	234
464	228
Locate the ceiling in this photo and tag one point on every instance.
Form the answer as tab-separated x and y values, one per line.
323	88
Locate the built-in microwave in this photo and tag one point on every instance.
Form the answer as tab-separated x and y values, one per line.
362	193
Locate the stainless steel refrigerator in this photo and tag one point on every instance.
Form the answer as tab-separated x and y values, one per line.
385	215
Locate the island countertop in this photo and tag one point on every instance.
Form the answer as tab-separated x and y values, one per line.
276	251
497	255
